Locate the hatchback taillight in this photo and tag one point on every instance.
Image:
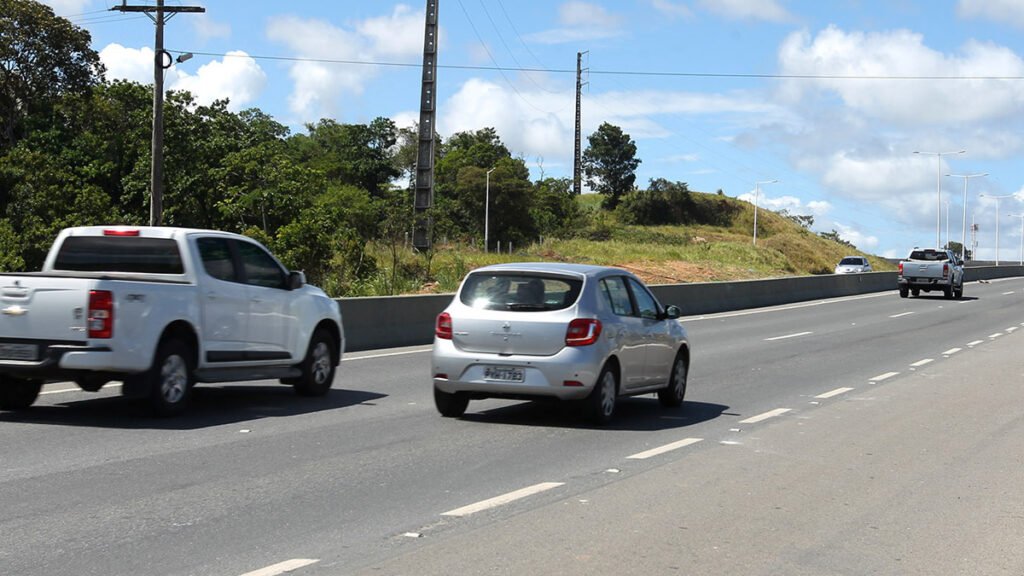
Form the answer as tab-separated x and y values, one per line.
443	329
101	314
583	332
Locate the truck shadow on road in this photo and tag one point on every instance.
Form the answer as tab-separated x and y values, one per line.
639	414
210	406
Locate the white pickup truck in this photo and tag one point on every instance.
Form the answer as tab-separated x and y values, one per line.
161	309
930	269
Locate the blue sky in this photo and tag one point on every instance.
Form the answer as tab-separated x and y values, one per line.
831	99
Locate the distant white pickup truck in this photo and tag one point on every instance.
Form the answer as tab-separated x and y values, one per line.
931	269
161	309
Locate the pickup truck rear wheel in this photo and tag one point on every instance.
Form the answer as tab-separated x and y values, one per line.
947	292
958	293
18	393
904	291
915	292
170	379
318	366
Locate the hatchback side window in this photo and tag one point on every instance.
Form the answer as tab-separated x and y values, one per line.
260	267
646	303
216	256
617	295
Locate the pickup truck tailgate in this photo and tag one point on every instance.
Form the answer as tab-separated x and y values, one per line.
43	309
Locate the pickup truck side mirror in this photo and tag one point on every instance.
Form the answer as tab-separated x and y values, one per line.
296	279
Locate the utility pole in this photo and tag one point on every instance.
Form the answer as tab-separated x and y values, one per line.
577	185
161	61
424	191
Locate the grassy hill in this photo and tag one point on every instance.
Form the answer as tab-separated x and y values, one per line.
658	254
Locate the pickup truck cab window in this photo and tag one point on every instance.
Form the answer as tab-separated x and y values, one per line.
260	267
216	256
119	254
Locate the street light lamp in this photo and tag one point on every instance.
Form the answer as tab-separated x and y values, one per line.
997	199
963	231
1021	216
938	190
757	190
487	208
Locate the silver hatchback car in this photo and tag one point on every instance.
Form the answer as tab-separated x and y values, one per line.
551	330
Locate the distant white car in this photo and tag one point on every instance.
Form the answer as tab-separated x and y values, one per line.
551	330
853	265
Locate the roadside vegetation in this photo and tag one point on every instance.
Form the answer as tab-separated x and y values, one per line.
336	200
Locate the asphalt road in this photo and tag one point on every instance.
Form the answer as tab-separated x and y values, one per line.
864	435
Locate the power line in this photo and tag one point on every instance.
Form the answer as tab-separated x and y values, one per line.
499	68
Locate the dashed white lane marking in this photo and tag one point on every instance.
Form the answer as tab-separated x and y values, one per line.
765	416
835	392
1011	329
503	499
951	351
1007	293
282	567
662	449
996	335
788	336
885	376
920	363
77	389
901	315
975	343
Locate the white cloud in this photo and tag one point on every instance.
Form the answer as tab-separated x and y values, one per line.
580	21
319	86
1003	11
768	10
902	53
67	7
207	28
672	9
237	77
862	241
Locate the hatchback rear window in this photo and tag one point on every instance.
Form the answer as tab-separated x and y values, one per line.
119	254
519	291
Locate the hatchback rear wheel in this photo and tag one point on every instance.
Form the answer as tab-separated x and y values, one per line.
450	405
600	405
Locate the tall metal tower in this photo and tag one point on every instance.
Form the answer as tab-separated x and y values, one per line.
424	193
577	185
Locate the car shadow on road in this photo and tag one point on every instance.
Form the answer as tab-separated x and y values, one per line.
939	296
210	406
639	414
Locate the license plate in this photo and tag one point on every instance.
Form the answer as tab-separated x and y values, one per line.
19	351
503	374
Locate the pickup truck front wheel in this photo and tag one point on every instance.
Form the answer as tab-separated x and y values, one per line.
318	366
18	393
170	378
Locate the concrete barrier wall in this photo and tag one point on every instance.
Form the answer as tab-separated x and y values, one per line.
394	321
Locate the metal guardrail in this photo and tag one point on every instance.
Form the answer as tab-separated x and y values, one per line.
394	321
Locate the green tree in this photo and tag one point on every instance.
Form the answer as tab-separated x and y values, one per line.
42	58
360	155
662	203
609	163
834	236
554	207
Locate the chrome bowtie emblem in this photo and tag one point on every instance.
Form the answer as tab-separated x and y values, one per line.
15	310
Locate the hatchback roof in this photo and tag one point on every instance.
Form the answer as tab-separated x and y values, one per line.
550	267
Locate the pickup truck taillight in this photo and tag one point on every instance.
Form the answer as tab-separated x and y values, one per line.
101	314
901	269
945	270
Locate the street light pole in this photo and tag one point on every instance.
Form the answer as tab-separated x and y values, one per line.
487	208
963	231
946	202
757	190
997	199
938	190
1021	216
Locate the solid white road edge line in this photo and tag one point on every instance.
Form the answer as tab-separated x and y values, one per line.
835	392
503	499
951	351
885	376
765	416
920	363
282	567
385	355
788	336
662	449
